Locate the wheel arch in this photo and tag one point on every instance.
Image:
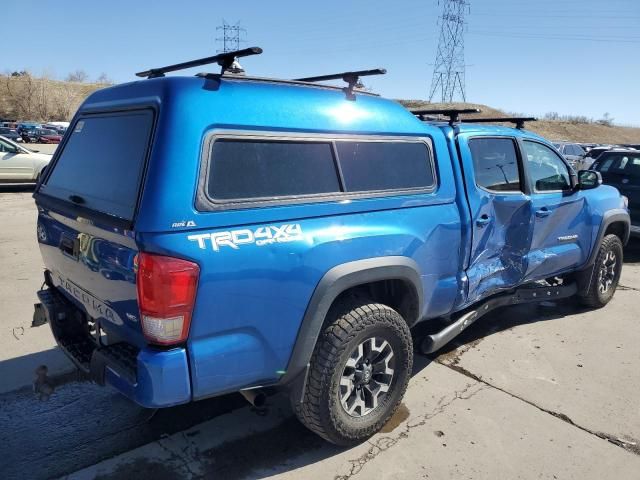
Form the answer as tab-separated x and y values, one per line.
346	277
615	222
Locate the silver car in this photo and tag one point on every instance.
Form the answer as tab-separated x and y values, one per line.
573	152
19	164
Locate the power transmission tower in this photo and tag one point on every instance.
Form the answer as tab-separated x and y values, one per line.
232	36
449	68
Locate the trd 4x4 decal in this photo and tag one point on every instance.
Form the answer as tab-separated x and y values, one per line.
261	236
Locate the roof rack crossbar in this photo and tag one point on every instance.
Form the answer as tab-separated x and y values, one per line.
352	79
518	121
225	60
452	113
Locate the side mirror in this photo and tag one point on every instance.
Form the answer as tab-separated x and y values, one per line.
589	179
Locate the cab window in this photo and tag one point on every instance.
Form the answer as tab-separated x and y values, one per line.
495	164
547	170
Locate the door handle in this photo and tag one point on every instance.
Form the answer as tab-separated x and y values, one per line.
483	220
543	212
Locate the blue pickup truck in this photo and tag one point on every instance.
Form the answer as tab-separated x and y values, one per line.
224	233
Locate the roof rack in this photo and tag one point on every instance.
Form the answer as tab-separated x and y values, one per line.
518	121
225	60
452	113
352	79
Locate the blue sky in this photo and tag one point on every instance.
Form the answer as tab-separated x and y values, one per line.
568	56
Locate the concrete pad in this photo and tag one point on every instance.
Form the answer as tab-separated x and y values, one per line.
581	364
22	348
449	426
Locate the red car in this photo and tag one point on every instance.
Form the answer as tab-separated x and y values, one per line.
42	135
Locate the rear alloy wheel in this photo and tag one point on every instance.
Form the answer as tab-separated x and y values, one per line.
367	377
359	372
605	274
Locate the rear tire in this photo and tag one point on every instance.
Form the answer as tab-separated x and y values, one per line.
605	273
359	372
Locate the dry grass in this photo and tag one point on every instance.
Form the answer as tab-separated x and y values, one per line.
41	99
553	130
58	100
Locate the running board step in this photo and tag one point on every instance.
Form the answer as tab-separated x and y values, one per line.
436	341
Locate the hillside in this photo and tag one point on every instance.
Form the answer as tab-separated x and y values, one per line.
26	97
551	129
42	99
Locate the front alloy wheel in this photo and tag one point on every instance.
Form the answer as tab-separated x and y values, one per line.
603	278
607	272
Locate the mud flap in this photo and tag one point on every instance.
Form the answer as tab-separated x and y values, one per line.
39	315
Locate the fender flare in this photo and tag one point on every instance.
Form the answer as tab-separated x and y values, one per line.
585	276
334	282
611	216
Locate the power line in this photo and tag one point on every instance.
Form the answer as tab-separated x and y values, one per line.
449	68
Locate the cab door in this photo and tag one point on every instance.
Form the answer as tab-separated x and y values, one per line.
561	220
501	214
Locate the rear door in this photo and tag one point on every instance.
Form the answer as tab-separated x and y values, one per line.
501	213
561	222
87	206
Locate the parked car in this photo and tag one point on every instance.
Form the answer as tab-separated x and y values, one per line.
19	164
290	235
42	135
588	146
622	170
61	129
11	134
573	152
26	126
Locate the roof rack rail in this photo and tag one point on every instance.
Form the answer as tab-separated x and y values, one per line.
452	113
518	121
352	79
225	60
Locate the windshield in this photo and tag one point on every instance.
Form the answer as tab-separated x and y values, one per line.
102	162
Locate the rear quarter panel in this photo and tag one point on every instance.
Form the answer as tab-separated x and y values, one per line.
251	300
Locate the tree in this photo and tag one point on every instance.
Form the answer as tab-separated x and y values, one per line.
21	95
606	120
104	79
77	76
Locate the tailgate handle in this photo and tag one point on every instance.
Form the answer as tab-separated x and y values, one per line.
66	245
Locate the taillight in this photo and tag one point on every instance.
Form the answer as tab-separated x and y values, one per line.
166	294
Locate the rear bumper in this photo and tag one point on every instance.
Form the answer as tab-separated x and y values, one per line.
152	378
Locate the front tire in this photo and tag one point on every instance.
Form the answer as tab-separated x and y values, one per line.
359	372
605	274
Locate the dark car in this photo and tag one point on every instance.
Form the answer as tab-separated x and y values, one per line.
595	153
42	135
11	134
622	170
